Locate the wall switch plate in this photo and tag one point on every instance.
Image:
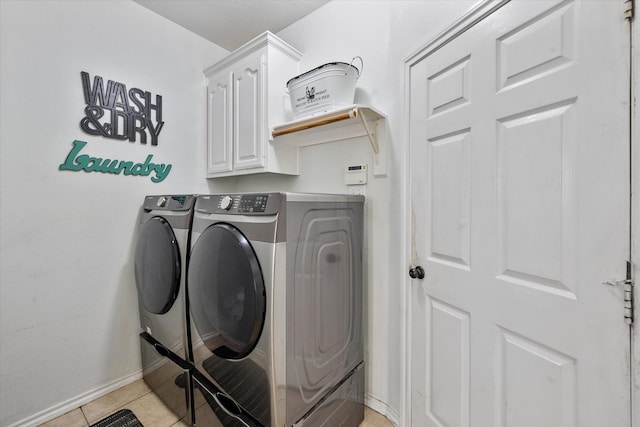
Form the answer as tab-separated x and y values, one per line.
355	174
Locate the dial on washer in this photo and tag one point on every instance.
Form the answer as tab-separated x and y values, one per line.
226	202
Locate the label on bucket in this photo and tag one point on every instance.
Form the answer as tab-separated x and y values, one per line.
312	97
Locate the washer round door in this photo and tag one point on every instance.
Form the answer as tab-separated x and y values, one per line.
157	266
226	291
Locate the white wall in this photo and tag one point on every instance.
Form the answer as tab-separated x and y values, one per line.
68	302
67	294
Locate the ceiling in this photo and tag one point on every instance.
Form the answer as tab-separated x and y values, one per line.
231	23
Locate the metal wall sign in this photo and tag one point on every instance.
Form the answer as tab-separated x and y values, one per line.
114	112
84	162
118	113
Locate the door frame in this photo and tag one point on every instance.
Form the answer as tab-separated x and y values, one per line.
464	23
635	213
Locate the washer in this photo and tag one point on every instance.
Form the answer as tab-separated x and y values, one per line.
275	286
160	271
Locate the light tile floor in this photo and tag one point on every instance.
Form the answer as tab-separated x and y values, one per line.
150	410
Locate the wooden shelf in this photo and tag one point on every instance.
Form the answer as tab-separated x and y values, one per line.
340	124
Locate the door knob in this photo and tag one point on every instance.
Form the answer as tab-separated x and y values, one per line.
416	272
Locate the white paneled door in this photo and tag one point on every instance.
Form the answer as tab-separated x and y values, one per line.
520	192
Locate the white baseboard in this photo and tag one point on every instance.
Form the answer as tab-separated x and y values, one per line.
382	408
76	402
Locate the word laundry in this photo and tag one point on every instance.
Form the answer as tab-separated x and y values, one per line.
77	162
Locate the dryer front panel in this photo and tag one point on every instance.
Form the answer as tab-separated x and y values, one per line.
157	266
226	291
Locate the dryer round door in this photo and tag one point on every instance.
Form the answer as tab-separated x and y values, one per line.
226	291
157	266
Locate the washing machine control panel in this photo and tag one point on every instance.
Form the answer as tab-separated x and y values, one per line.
169	202
253	203
240	204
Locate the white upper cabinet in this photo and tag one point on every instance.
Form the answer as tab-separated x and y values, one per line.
246	97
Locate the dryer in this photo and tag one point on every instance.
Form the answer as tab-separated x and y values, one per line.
275	286
160	272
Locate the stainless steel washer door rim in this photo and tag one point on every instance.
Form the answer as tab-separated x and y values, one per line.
226	291
157	266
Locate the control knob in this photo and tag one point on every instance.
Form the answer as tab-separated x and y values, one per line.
226	202
162	202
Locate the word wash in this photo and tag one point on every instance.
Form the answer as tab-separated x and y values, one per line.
118	113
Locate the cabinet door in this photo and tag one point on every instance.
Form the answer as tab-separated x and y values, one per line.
220	119
249	121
